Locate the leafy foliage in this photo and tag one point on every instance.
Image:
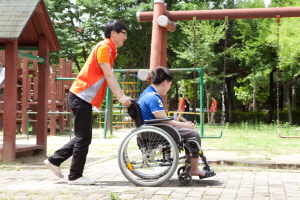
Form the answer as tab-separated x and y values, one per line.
251	56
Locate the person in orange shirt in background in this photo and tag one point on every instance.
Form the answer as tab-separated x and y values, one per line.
181	108
88	90
213	109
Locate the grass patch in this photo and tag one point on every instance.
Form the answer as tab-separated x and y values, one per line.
255	137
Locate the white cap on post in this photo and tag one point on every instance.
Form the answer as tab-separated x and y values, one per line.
163	20
138	16
159	1
143	74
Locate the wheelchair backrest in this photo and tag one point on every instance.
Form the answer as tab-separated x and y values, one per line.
134	112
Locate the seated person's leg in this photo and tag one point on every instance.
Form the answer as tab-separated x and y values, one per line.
192	135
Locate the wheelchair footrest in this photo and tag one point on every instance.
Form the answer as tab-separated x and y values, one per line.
209	173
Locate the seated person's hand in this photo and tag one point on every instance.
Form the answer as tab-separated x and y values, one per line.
190	125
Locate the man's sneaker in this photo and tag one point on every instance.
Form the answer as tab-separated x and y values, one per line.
82	181
54	169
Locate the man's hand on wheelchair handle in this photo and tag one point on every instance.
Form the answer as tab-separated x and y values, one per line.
124	100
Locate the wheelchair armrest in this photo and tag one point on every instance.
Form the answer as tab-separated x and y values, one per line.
150	121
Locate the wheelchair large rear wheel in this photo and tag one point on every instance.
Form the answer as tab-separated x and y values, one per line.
148	156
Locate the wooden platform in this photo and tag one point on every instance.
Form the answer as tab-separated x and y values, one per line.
24	149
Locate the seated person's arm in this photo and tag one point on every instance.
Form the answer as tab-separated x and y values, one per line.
162	114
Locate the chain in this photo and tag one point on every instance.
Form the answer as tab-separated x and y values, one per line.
195	97
277	70
224	73
195	84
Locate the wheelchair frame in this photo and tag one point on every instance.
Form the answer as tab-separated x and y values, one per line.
166	142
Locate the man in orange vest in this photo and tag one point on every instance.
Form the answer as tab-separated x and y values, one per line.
88	90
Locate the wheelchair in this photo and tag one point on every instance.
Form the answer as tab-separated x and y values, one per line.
149	154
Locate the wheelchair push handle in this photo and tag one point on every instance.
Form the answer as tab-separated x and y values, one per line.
133	101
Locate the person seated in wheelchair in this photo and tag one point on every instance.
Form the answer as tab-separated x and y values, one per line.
151	107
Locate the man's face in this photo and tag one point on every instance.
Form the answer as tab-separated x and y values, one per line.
119	38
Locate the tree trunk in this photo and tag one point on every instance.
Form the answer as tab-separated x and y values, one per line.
294	94
271	98
230	102
254	96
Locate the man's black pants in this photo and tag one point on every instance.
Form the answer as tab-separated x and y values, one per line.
77	147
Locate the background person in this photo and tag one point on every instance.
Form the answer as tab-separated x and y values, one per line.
181	108
186	106
151	104
88	90
213	109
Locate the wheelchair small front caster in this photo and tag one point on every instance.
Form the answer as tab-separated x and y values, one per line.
180	170
185	179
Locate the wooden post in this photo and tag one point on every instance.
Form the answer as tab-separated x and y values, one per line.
61	92
156	35
42	108
53	101
10	98
163	58
25	89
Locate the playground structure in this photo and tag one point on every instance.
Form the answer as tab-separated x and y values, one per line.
34	32
27	98
122	112
25	26
162	21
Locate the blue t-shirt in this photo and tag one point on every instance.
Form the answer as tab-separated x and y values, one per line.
150	102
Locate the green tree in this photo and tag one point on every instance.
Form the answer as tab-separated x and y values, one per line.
255	57
198	49
69	23
288	55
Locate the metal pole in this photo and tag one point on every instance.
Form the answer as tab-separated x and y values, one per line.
201	102
27	121
40	60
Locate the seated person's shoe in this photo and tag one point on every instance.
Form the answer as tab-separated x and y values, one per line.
54	169
82	181
208	174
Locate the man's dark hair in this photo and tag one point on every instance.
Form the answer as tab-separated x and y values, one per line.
180	95
114	25
160	74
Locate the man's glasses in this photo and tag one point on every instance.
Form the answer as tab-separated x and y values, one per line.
125	33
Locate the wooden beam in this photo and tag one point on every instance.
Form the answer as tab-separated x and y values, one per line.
47	27
10	99
42	107
250	13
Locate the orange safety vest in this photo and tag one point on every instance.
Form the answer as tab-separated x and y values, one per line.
90	84
214	106
182	104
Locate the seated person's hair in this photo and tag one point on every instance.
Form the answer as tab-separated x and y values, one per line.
160	74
